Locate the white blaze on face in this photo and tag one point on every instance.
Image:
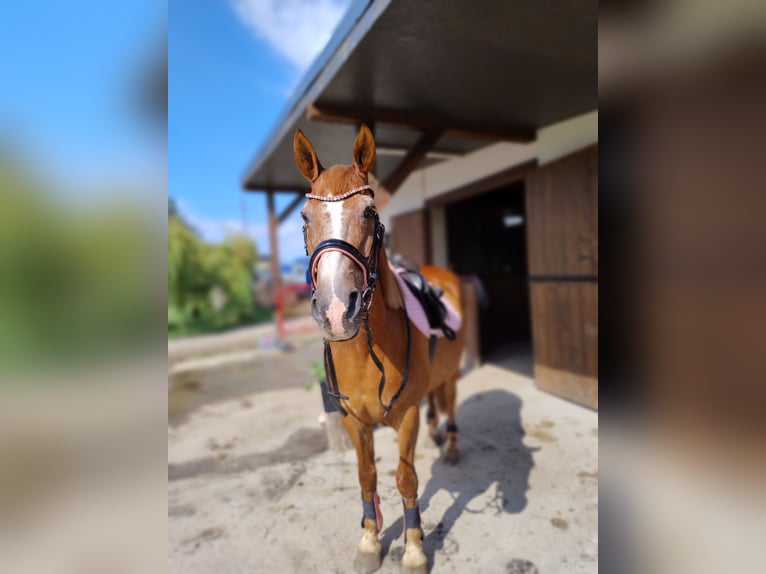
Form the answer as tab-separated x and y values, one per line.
329	266
335	211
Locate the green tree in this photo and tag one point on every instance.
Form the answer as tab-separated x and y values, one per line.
188	279
200	271
230	267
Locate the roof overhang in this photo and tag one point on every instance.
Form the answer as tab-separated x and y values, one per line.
436	78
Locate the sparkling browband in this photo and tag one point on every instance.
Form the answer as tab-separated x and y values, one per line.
343	196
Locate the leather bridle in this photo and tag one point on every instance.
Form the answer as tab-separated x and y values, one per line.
369	266
367	263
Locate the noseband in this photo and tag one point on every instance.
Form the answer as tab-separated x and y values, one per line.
369	266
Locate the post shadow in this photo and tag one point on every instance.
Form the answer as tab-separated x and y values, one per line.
492	454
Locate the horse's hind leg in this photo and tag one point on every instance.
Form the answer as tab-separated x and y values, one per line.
432	418
449	395
414	559
369	551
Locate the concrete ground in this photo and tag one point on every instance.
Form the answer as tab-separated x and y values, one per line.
252	487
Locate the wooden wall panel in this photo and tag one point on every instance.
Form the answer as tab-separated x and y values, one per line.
565	332
410	237
565	339
562	216
562	251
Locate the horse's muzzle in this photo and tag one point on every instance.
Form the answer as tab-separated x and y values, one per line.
338	318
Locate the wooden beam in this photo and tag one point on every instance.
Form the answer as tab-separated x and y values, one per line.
422	122
276	279
290	208
412	160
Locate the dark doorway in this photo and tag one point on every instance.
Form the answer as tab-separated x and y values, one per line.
486	236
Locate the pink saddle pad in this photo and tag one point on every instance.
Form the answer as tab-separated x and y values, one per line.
417	314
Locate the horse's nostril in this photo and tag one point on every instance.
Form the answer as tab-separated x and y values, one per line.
352	304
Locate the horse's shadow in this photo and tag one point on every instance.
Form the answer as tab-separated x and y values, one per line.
493	455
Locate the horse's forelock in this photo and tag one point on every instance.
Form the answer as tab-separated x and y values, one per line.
337	180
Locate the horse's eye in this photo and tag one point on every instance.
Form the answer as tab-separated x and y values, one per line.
305	218
369	213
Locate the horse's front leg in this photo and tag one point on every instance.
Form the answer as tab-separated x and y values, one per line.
369	553
414	559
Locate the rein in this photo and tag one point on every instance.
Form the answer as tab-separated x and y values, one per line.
369	265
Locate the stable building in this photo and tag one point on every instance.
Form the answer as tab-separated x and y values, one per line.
486	124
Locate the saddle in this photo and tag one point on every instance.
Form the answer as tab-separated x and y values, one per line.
430	299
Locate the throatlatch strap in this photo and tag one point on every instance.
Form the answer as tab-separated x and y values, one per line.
411	518
372	511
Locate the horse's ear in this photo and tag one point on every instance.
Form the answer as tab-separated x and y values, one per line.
364	150
306	157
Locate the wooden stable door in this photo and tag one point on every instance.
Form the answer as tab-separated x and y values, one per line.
562	248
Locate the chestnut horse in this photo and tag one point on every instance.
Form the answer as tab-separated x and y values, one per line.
379	368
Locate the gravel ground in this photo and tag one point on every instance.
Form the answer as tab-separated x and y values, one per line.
252	487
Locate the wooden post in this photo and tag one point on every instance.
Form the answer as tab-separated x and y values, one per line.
472	354
276	280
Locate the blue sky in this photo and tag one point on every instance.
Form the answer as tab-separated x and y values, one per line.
233	66
73	75
72	78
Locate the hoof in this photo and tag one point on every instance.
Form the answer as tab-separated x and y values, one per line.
451	457
436	436
367	563
414	561
417	570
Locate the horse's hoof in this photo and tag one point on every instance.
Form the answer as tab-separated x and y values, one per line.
437	437
414	561
451	457
367	563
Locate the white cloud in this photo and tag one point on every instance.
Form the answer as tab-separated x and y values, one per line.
214	231
210	230
296	29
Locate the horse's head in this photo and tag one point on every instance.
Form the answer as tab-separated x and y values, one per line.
342	234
